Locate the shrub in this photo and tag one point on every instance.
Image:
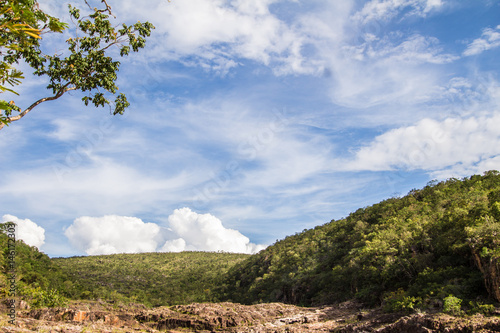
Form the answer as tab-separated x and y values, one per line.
452	305
398	301
39	298
479	307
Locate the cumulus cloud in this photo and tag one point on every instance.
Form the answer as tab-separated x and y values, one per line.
27	230
454	146
488	40
112	234
205	232
187	231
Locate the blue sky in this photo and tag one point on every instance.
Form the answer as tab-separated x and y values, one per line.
254	120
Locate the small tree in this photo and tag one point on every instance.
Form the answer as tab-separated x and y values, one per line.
86	67
453	305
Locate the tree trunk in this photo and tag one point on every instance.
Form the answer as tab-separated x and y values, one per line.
490	267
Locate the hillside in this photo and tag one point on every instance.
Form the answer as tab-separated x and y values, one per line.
151	278
407	252
38	279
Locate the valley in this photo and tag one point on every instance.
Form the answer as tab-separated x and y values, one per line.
425	262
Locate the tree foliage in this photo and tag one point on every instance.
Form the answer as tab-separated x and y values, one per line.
150	278
153	279
86	66
38	280
413	251
21	27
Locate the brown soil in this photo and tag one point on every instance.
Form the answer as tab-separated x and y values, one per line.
232	317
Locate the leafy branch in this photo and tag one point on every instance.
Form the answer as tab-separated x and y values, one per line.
87	67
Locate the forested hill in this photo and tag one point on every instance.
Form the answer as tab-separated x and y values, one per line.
435	242
405	253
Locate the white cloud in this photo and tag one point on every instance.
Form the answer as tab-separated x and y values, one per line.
433	4
176	245
109	186
388	9
217	35
205	232
218	31
460	170
382	71
112	234
187	231
488	40
367	63
415	49
27	230
288	159
461	146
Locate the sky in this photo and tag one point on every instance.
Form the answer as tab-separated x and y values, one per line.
251	120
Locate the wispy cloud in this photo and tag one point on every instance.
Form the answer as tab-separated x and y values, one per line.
108	187
213	34
388	9
380	71
318	42
489	39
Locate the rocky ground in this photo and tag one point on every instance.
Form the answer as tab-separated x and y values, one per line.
231	317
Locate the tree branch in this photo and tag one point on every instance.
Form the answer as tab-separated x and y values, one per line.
108	8
61	92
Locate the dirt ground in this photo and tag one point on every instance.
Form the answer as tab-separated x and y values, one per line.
232	317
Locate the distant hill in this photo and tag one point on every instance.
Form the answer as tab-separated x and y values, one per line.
153	279
407	252
150	278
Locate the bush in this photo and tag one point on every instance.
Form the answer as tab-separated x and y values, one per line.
398	301
39	298
478	307
452	305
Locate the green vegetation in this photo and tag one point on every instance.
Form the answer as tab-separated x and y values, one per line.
21	26
38	279
150	278
452	305
403	252
153	279
438	247
398	301
86	66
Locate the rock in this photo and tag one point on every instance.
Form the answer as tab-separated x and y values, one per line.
23	305
232	318
80	316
